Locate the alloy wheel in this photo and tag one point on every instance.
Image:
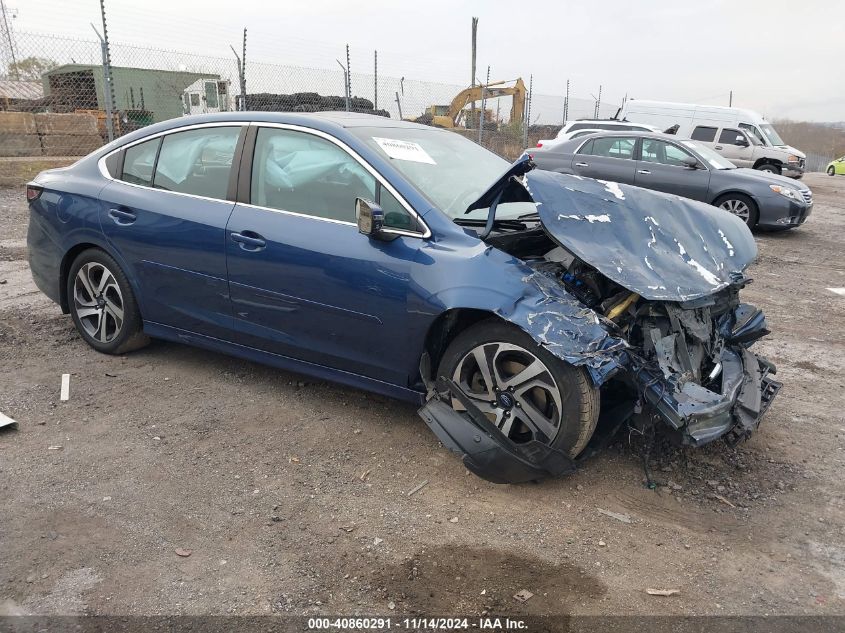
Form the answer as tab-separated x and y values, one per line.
737	207
98	302
513	388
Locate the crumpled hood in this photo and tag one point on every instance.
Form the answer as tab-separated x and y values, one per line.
661	246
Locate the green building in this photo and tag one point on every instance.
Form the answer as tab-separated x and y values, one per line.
144	94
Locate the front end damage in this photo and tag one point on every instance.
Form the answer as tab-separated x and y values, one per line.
640	289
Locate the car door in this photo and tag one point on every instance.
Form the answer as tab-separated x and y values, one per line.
734	145
606	158
661	167
304	282
165	217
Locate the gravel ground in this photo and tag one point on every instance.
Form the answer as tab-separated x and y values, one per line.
293	495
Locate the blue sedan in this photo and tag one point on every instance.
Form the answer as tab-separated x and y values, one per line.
516	306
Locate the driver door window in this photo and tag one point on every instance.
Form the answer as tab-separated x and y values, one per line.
303	173
655	151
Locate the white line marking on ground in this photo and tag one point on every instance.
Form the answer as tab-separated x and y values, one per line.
65	386
5	420
839	291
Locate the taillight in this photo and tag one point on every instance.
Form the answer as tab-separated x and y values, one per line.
539	145
33	192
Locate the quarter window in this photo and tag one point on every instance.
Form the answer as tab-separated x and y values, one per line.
610	147
654	151
704	134
302	173
197	162
139	162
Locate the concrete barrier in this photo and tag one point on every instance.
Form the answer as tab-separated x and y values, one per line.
12	144
66	124
16	123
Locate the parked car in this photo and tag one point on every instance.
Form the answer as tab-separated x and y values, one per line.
513	304
582	127
742	136
687	168
835	167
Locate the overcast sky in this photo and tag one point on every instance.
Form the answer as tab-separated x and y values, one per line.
780	57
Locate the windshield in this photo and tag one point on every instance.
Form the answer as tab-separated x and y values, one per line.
715	160
447	168
771	134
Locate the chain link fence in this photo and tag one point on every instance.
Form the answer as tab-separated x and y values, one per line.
56	98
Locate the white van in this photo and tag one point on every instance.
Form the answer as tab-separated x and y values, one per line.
742	136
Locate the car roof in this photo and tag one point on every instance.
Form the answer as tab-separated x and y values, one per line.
331	122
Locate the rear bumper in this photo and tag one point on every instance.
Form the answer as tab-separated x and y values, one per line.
701	415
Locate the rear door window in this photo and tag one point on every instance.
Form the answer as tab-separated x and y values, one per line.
139	162
197	162
611	147
704	134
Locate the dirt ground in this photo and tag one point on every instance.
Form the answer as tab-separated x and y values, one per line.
293	494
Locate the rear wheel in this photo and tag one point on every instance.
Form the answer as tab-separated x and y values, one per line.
770	168
741	206
102	304
522	388
831	171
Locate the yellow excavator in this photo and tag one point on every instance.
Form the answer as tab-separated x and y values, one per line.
450	116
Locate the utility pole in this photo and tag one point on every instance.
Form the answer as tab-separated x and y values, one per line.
108	89
375	80
472	79
483	107
731	99
345	82
8	41
566	104
598	104
348	77
528	110
399	105
243	69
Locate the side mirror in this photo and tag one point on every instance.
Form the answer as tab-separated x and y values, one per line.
741	141
370	217
690	162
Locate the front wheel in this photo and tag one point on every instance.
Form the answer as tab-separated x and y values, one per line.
102	304
831	171
770	168
741	206
528	393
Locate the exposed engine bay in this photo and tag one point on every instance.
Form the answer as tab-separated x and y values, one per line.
660	277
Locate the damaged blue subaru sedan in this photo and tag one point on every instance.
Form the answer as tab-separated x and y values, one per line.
515	306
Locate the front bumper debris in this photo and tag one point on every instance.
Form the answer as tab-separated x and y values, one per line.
702	415
484	449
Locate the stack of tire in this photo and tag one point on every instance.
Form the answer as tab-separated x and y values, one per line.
308	102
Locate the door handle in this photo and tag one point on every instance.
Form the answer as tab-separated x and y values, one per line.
249	241
718	147
643	171
122	217
582	164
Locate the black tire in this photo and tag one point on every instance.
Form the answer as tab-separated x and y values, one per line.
578	397
831	171
736	199
95	313
770	168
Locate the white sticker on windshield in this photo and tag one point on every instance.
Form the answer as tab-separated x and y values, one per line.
404	150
